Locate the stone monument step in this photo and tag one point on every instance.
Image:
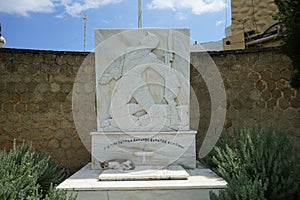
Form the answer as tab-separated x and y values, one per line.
197	186
145	173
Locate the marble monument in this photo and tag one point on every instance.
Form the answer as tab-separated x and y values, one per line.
143	105
142	87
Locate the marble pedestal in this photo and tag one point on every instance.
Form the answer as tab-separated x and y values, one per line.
145	148
197	187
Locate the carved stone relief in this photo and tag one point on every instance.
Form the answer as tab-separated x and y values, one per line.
141	89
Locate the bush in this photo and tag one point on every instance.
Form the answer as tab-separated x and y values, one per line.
28	175
257	164
242	188
55	194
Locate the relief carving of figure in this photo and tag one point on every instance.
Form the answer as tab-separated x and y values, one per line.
143	75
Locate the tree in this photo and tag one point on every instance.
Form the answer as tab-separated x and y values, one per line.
289	16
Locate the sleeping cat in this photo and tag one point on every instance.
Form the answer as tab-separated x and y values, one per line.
119	164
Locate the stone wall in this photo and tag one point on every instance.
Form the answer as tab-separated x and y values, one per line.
36	97
36	102
257	89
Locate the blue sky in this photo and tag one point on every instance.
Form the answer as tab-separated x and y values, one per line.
57	24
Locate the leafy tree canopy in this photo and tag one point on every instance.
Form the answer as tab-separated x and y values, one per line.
289	16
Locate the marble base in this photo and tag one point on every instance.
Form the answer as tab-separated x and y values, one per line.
197	187
145	148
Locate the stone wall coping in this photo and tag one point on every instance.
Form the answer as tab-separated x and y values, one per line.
240	51
38	51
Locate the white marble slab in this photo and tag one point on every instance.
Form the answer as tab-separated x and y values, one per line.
200	181
145	148
145	173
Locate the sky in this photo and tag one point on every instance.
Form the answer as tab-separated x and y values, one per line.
58	24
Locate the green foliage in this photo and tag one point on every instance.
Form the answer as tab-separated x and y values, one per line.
289	16
48	171
241	188
28	175
17	178
257	164
55	194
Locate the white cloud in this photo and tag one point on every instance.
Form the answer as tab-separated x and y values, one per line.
181	16
71	7
105	21
25	7
76	7
60	16
197	7
220	22
118	17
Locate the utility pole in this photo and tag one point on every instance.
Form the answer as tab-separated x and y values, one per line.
139	14
84	18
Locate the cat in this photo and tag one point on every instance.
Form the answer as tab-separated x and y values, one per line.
119	164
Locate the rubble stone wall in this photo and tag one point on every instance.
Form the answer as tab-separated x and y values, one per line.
36	90
257	91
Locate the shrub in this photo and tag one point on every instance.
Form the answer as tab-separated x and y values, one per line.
257	161
242	188
55	194
28	175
